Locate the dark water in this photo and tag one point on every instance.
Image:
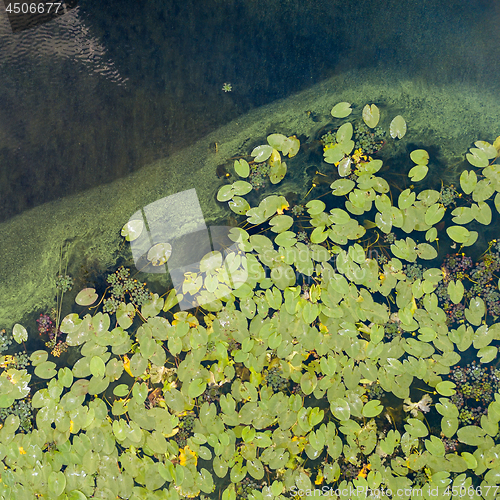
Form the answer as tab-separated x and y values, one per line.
115	85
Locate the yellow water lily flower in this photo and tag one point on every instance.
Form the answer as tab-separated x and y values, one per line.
186	455
126	365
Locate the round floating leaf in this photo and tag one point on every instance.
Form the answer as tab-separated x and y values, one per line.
456	291
277	173
280	223
262	153
159	254
446	388
70	323
420	156
315	207
344	133
471	435
286	239
340	409
86	297
372	408
19	333
132	229
468	181
341	110
345	166
434	214
277	141
406	199
38	357
76	495
384	221
426	251
371	115
45	370
333	154
197	388
431	234
482	213
225	193
435	446
489	149
418	172
416	428
487	354
398	127
477	157
121	390
97	367
458	233
239	205
241	188
342	186
242	168
57	483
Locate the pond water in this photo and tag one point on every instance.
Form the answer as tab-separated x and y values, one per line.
106	89
133	112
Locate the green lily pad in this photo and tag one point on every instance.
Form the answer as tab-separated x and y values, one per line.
333	154
446	388
132	229
239	205
241	188
458	233
57	483
344	166
340	409
344	133
371	115
488	149
416	428
159	254
434	214
342	186
341	110
418	172
420	156
471	435
315	207
477	157
456	291
86	297
225	193
286	239
468	181
398	127
242	168
262	153
19	333
97	367
372	408
45	370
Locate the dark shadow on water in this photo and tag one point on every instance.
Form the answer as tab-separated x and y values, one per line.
126	83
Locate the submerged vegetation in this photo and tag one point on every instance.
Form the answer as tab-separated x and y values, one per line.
347	341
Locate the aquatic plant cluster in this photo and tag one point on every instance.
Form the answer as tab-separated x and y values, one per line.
305	362
123	287
478	280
